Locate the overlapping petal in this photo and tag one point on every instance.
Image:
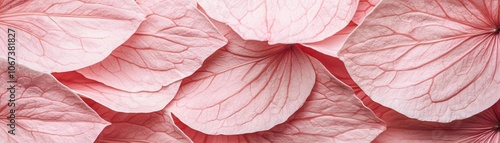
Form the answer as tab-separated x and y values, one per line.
41	109
138	127
297	21
482	127
331	114
332	45
170	45
245	87
364	8
334	65
433	60
65	35
116	99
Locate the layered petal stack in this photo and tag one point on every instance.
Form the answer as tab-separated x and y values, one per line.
250	71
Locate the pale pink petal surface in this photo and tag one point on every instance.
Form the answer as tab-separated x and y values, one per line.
332	45
433	60
170	45
45	110
65	35
292	21
138	127
246	86
331	114
364	7
333	65
483	127
116	99
478	128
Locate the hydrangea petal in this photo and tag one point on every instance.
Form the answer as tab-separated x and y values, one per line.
170	45
116	99
44	110
246	86
332	45
65	35
334	65
295	21
433	61
331	114
138	127
364	8
482	127
400	128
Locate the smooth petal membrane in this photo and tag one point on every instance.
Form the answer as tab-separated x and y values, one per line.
45	110
170	45
65	35
331	114
246	86
432	60
293	21
138	127
116	99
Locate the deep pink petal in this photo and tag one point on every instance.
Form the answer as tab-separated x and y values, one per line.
116	99
44	110
169	46
331	114
65	35
139	127
364	8
297	21
433	61
247	86
332	45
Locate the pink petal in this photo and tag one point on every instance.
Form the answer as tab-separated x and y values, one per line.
332	45
65	35
116	99
44	110
432	61
139	127
333	65
247	86
331	114
297	21
482	127
170	45
364	8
